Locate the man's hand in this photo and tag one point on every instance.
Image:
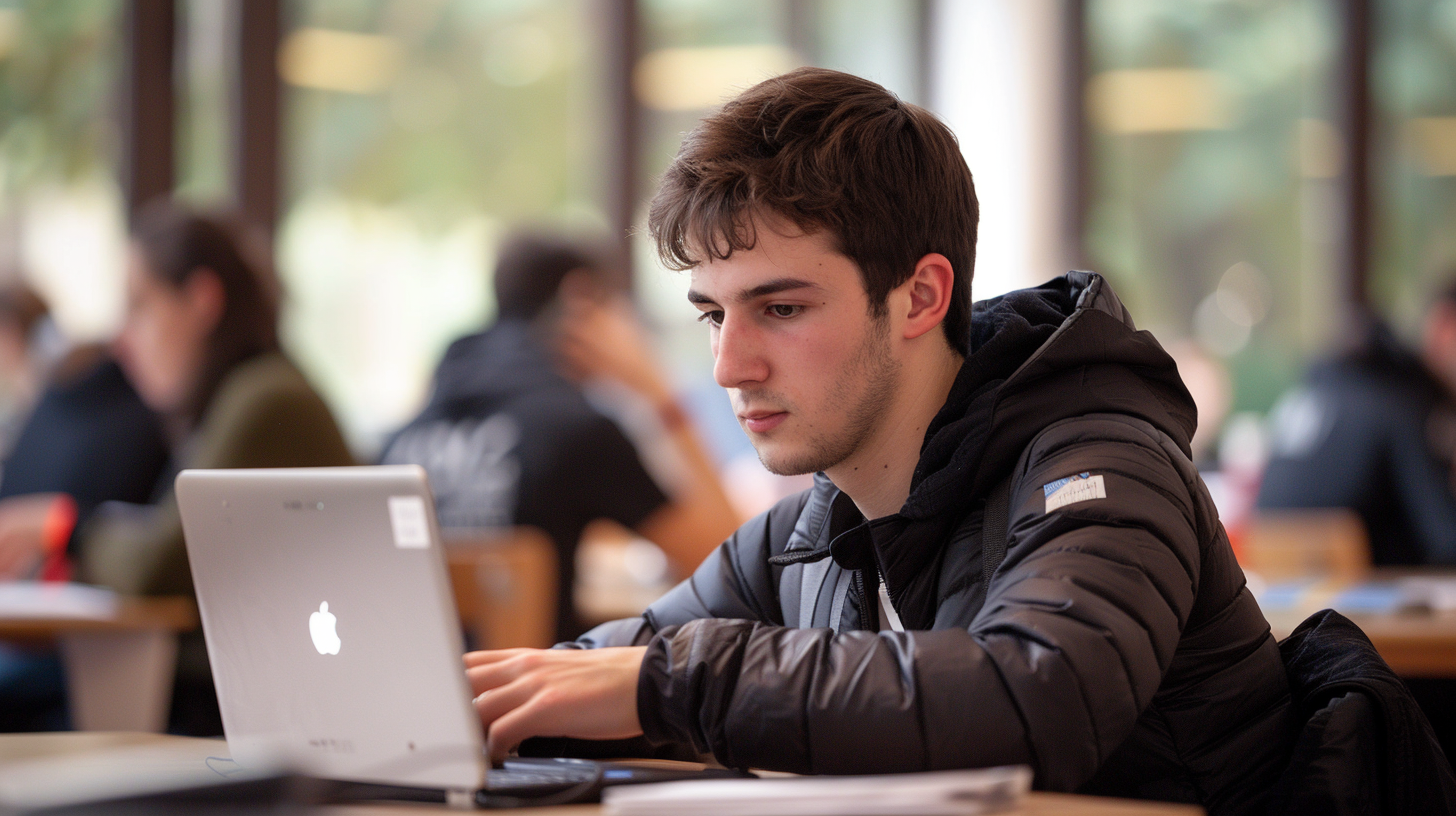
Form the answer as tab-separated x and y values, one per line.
588	694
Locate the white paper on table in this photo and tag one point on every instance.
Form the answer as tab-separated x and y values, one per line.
70	779
939	793
47	599
1435	593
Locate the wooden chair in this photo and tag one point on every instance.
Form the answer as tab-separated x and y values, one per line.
505	584
1328	544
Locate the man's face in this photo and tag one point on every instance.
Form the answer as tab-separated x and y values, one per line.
810	372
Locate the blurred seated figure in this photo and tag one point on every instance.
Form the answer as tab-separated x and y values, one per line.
30	345
81	436
1374	430
200	344
84	433
509	438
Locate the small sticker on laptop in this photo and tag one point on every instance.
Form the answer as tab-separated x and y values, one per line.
411	524
1079	488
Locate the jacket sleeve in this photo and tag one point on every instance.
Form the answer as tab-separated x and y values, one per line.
1079	625
734	582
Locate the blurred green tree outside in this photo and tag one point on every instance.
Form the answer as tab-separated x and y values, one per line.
58	69
1415	188
1219	230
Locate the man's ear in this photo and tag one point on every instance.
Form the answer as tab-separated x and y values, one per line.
928	294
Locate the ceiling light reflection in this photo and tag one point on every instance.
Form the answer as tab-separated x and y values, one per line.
343	61
1162	100
1432	142
685	79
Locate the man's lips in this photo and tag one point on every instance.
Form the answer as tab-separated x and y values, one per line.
762	421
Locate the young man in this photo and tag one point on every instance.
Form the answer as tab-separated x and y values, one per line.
862	626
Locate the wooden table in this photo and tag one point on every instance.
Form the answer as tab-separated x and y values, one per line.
1415	642
86	754
118	669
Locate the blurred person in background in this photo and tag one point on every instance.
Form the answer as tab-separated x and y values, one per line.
200	344
84	437
81	436
30	344
1374	430
510	438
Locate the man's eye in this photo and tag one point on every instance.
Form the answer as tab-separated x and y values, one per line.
713	318
784	310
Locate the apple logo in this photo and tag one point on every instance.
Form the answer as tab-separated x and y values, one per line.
321	629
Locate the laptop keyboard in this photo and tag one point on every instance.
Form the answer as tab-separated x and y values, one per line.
528	776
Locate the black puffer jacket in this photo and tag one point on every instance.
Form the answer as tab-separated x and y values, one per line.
1117	650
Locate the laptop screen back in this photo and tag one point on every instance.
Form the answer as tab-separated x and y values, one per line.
330	624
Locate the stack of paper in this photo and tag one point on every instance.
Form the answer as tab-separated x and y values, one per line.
42	599
942	793
1437	593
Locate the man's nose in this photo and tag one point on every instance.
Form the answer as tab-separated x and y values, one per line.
737	356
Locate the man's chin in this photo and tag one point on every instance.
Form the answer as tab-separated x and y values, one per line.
785	463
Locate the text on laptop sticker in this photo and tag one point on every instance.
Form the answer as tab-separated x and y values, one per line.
1073	489
411	526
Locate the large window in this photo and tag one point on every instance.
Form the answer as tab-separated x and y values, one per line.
1414	67
1213	158
416	133
61	221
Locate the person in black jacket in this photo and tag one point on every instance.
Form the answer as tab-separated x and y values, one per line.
510	438
874	623
1374	430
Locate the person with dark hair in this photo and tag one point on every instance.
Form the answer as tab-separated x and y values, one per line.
1007	557
1373	429
509	438
199	342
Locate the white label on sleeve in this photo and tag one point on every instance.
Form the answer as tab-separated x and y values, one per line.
411	525
1073	489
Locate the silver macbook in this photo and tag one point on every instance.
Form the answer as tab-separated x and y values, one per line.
336	646
330	623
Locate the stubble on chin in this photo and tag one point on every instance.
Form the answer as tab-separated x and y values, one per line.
863	394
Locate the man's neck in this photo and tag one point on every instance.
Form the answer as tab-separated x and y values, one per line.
877	475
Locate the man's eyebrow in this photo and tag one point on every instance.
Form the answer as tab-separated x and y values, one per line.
771	287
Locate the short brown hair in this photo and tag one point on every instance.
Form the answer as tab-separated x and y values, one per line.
827	151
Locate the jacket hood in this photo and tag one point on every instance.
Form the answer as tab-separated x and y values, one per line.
485	370
1063	349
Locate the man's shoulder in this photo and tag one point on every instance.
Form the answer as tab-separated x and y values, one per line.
773	530
1103	427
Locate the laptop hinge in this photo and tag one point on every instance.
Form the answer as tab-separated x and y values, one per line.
460	799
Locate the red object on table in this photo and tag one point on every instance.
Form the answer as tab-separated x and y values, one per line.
60	521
